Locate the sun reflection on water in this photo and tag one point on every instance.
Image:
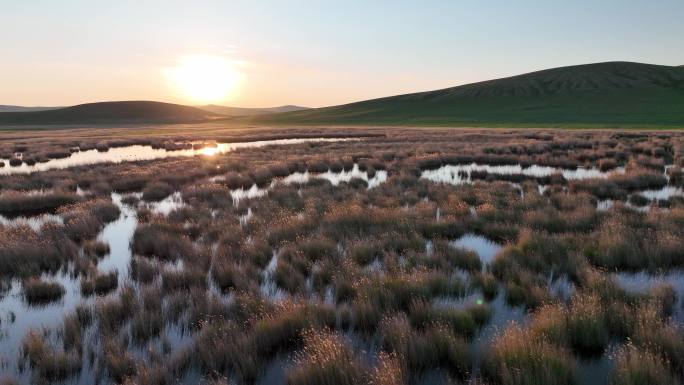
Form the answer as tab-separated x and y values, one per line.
209	151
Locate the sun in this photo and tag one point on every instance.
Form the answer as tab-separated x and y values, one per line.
204	78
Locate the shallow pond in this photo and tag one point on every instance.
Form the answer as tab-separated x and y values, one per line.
166	205
335	178
250	193
641	282
146	152
663	194
484	247
461	174
118	235
298	178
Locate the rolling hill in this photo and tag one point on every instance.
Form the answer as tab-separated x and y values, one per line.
601	94
125	112
239	111
6	108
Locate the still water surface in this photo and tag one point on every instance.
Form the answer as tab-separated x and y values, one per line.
146	152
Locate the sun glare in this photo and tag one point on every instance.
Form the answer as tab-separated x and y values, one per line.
209	151
204	78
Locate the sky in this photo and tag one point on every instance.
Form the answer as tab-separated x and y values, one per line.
311	53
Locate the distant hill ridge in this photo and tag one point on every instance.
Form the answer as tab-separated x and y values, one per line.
7	108
127	112
604	94
611	94
124	112
241	111
571	80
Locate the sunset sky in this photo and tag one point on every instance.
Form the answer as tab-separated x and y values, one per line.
311	53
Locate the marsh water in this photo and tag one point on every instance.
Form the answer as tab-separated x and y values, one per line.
34	222
463	174
17	317
460	174
643	281
335	178
147	152
298	178
485	248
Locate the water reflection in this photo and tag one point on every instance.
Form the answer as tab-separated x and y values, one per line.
146	152
607	204
269	287
17	317
662	194
461	174
503	315
250	193
335	178
484	248
560	287
476	298
596	371
166	205
642	282
118	235
35	222
244	219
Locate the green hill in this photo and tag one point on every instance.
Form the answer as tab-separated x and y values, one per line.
127	112
602	94
241	111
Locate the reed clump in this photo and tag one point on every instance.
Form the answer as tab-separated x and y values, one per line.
517	358
326	359
100	283
48	363
15	203
38	292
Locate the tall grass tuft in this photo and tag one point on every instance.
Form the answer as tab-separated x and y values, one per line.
518	358
326	359
100	284
13	203
634	366
388	370
436	346
160	241
23	252
49	365
39	292
157	191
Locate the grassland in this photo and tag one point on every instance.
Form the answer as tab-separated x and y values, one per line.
322	279
616	94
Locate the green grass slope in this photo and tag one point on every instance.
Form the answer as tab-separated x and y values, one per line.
602	94
240	111
126	112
